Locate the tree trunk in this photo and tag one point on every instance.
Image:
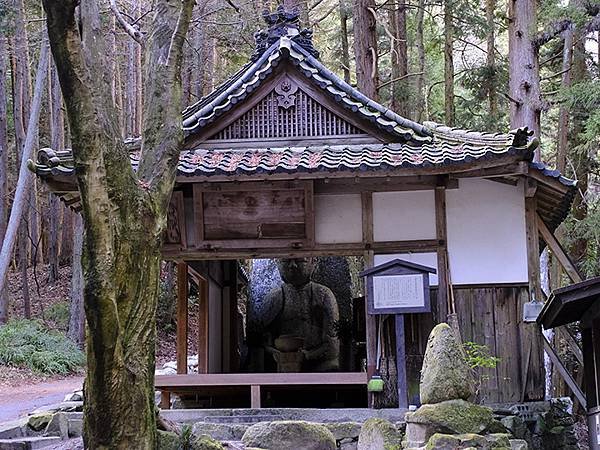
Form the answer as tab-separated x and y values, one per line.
345	54
420	82
490	8
400	88
124	212
4	299
582	160
449	117
24	182
21	107
563	114
76	330
524	71
365	47
57	143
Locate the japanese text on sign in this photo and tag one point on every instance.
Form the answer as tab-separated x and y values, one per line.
398	291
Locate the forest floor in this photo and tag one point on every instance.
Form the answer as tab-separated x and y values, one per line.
21	389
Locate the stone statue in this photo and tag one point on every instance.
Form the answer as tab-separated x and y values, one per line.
297	320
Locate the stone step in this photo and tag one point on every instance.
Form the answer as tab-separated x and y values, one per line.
393	415
28	443
242	419
14	428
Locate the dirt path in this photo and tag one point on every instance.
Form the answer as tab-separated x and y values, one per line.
17	401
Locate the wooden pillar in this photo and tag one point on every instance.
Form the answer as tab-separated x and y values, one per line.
182	317
591	352
533	240
532	341
369	256
370	331
233	318
203	326
442	254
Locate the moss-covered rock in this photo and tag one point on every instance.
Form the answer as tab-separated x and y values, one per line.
289	434
516	426
441	441
205	442
167	440
344	430
445	374
379	434
518	444
38	422
453	417
499	440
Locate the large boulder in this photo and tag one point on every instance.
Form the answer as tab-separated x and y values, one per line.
289	434
445	374
167	440
379	434
450	417
38	422
459	441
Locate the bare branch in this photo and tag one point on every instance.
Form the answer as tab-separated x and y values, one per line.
131	30
408	75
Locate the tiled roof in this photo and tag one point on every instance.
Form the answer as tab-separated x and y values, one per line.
363	157
251	76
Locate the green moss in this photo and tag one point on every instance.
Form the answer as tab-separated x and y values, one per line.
454	416
380	433
287	434
499	440
442	442
205	442
38	422
341	430
167	440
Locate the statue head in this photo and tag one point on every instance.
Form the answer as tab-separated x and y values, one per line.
296	271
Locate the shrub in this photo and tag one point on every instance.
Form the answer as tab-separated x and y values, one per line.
59	314
27	343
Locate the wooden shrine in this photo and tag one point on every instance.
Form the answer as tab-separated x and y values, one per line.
287	160
580	302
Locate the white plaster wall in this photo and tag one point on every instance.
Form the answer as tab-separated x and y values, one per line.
338	219
403	216
486	232
425	259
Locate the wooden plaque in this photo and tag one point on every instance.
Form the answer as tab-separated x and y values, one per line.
398	287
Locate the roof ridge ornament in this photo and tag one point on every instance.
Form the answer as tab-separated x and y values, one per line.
282	23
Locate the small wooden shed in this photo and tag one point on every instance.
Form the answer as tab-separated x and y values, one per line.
580	302
285	159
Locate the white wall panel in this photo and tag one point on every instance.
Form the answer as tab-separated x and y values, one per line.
338	219
486	232
425	259
403	216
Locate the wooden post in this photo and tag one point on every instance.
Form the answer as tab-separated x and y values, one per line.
591	350
255	396
182	317
370	331
558	251
203	326
165	399
401	363
442	253
533	241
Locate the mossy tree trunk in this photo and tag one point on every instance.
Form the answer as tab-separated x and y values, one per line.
124	212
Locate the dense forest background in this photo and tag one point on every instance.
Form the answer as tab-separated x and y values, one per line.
485	65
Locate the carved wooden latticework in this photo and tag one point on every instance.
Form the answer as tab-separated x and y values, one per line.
287	112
